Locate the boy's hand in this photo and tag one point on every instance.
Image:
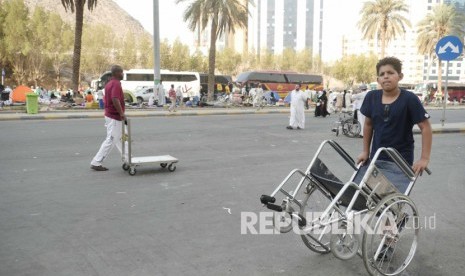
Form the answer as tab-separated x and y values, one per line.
420	166
362	158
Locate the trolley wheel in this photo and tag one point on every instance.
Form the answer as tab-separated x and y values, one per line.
344	244
163	165
282	221
125	167
390	244
132	171
172	167
314	203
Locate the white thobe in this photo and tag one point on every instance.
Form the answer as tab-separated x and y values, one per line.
160	91
357	104
298	99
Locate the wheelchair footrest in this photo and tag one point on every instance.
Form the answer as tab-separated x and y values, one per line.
265	199
274	207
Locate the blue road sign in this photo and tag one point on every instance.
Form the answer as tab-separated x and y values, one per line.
449	48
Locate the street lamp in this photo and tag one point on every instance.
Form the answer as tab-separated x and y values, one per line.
156	42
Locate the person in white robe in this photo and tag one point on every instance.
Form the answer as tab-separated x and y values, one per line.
357	104
298	99
159	91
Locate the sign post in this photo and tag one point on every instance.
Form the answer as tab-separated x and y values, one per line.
3	76
448	48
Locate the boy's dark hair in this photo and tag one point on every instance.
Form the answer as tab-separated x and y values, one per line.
395	62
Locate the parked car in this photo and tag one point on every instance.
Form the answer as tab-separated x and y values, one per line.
143	95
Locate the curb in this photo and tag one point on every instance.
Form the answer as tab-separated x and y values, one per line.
438	129
95	115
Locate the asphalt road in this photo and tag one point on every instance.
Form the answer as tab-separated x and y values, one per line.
57	217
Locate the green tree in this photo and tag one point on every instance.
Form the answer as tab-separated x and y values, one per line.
38	60
59	45
77	7
128	51
3	58
16	38
145	52
228	61
383	19
165	55
287	60
100	49
355	69
179	56
304	61
198	62
268	60
443	20
223	16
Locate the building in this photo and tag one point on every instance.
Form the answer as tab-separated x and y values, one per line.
416	68
275	25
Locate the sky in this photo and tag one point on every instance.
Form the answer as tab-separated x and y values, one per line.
172	25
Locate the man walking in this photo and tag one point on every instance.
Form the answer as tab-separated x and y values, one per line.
114	114
298	99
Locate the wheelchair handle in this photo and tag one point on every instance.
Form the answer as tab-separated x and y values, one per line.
428	171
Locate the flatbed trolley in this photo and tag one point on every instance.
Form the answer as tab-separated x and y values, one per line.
130	163
370	218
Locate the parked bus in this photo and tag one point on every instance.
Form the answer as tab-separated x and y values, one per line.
281	82
220	82
455	91
135	79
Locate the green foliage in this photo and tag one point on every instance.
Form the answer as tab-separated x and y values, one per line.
228	61
198	62
16	38
383	20
443	20
179	56
223	17
99	53
355	69
145	52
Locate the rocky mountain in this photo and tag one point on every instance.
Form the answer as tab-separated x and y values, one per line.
107	12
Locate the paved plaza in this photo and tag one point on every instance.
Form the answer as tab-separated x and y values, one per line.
57	217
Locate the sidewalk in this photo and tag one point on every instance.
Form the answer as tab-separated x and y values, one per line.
91	114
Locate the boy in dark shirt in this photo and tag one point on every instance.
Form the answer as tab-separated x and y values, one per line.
391	113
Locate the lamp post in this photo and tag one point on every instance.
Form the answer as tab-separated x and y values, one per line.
156	42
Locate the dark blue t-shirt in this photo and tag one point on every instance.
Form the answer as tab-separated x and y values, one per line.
393	123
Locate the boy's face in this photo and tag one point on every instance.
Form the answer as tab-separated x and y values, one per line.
388	77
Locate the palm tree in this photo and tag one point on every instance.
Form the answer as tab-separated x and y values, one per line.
443	20
77	7
383	19
223	16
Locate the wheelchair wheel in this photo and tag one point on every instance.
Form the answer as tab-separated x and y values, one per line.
282	221
390	239
314	203
345	243
351	127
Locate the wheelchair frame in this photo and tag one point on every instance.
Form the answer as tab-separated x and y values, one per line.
380	197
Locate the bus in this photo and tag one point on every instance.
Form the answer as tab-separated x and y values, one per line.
220	82
135	79
455	91
280	82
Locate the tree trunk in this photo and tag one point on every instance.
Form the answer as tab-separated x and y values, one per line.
383	43
211	58
79	5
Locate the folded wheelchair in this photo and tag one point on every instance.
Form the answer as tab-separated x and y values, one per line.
367	216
